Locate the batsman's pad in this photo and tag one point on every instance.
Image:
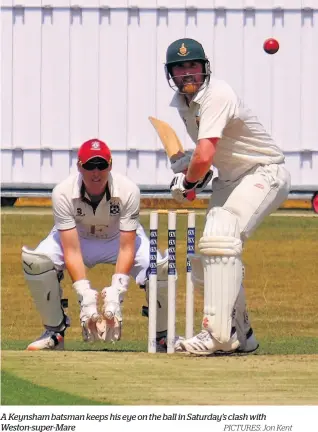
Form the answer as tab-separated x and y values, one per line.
221	250
43	284
162	293
240	316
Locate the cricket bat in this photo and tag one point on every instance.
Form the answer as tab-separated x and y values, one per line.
171	144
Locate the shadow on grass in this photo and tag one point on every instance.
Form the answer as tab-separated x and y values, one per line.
268	346
17	391
73	345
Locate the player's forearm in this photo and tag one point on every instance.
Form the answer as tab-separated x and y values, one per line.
73	254
75	265
197	168
201	160
125	259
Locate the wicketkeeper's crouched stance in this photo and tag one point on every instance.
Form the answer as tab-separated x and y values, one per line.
252	182
96	215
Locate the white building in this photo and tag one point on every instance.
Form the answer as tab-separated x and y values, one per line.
94	68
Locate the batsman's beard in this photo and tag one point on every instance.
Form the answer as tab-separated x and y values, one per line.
190	88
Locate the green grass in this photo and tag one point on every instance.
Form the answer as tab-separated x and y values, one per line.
17	391
268	346
122	378
281	288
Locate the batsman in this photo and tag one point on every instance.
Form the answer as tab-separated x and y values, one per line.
252	182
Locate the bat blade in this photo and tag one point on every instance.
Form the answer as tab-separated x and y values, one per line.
168	138
171	144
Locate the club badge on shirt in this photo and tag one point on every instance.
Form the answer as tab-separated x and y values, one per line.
79	212
114	207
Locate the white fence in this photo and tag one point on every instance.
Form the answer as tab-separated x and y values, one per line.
72	71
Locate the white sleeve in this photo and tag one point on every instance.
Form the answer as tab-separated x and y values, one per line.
62	211
129	219
217	109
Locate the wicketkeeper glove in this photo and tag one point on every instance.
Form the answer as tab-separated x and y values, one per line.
113	297
89	316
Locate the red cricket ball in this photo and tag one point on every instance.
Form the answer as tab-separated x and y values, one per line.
271	46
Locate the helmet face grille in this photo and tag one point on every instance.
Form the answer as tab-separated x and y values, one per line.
205	73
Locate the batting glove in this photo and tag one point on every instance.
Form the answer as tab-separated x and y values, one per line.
180	188
202	184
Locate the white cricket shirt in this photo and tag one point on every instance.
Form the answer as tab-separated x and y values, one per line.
117	211
217	112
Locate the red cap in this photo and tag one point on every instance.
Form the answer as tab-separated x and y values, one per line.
92	149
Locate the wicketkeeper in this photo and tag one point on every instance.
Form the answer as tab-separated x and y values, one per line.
96	215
